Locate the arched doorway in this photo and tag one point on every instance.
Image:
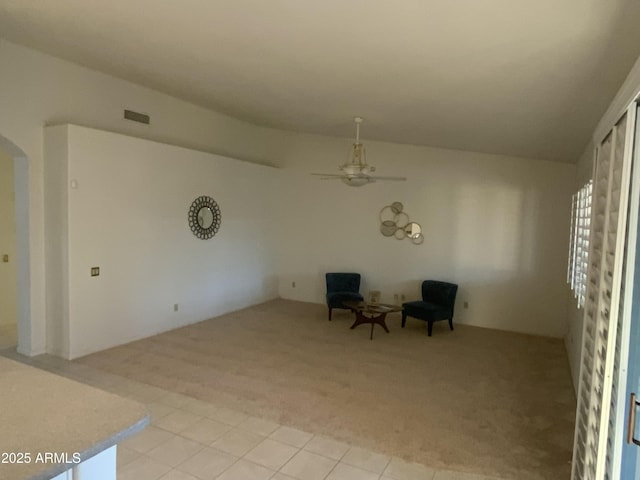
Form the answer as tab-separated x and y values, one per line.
20	229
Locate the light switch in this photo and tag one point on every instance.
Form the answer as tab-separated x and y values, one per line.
95	271
5	258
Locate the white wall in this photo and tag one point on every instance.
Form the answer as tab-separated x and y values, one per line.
128	216
497	226
38	90
56	222
8	274
518	198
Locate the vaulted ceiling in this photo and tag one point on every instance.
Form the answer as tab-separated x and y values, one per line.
513	77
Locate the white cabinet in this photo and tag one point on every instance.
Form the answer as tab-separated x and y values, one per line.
99	467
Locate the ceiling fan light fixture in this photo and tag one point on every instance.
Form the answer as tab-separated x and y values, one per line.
356	172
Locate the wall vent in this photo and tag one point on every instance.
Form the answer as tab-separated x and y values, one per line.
137	117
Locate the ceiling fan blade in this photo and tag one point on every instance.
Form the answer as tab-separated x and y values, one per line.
348	178
399	179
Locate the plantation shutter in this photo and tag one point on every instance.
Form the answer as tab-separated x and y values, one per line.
596	392
582	248
573	235
614	341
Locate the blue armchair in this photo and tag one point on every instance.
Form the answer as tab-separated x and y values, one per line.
342	287
438	299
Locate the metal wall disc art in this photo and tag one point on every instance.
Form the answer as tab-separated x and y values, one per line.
394	222
204	217
388	228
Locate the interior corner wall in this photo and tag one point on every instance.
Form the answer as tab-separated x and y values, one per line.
128	201
56	151
8	273
497	226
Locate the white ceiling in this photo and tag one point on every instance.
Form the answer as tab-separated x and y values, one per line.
515	77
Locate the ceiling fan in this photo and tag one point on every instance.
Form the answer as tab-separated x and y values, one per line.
355	171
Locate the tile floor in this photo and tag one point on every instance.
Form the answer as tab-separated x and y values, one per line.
189	439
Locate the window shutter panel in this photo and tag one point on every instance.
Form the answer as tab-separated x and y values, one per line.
596	391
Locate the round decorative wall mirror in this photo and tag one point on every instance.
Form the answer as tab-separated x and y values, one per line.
388	228
204	217
395	222
413	231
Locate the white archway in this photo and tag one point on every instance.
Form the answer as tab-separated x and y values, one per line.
21	187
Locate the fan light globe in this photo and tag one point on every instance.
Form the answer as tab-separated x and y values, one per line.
356	181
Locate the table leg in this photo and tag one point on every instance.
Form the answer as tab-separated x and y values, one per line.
361	318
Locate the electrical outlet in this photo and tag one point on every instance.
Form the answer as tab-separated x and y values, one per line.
466	304
395	297
95	271
175	307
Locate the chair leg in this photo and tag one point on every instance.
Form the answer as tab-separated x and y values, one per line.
404	318
451	323
429	327
329	313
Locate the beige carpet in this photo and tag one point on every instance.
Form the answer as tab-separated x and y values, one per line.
473	400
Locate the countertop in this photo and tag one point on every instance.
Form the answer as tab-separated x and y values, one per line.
41	412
